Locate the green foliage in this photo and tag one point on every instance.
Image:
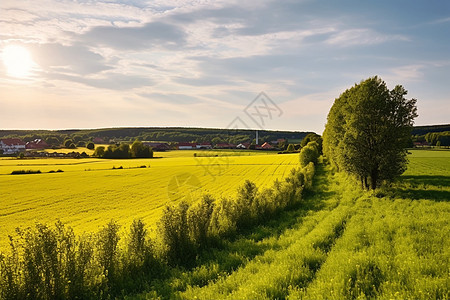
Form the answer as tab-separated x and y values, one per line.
312	137
46	263
99	151
309	153
107	254
90	146
139	150
117	152
290	148
367	130
433	138
199	220
178	248
68	143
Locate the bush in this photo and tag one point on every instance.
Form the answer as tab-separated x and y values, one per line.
199	220
309	153
107	254
244	204
224	218
19	172
52	265
178	248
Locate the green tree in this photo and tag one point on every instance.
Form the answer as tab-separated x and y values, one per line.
99	151
68	142
139	150
310	137
367	130
90	146
290	148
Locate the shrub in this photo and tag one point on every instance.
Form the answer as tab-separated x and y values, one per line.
224	219
244	204
199	219
52	265
140	264
107	253
18	172
308	154
174	231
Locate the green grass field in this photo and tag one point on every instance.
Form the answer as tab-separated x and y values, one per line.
90	192
342	243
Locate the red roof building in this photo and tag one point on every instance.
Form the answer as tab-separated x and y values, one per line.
266	146
186	146
225	146
11	146
37	144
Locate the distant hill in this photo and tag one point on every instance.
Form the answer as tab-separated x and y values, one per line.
421	130
168	134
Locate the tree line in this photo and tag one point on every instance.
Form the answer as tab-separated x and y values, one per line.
234	136
136	150
434	138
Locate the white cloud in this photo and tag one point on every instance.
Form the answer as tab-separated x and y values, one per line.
361	36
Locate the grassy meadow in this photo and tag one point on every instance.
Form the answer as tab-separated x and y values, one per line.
89	192
341	243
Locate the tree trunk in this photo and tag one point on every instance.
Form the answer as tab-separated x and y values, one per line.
374	178
366	183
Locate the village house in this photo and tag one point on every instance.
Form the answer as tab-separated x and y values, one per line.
12	146
37	144
243	146
98	140
186	146
267	146
204	146
157	146
225	146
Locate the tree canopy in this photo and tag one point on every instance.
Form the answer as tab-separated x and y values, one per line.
367	130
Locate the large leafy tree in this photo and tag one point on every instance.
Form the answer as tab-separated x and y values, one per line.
367	130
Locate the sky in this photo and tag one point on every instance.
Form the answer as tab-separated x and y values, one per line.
245	64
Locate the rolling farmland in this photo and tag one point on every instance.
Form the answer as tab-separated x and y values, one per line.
90	192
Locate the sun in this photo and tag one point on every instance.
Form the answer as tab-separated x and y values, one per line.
17	61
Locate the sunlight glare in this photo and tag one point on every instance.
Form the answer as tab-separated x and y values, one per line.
17	61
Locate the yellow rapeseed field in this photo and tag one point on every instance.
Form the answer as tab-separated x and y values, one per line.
89	192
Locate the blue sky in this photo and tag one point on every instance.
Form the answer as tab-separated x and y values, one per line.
201	63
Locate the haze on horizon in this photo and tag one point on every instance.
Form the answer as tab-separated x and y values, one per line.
95	64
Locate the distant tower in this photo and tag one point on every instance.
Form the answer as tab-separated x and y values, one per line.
257	137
